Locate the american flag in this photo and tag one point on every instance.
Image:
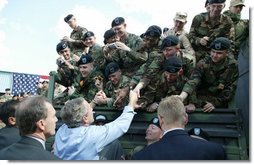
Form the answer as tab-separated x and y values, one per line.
24	83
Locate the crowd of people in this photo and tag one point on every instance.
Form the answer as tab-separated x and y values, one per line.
170	71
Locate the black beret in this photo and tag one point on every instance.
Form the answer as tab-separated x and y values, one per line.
111	68
165	29
206	3
220	43
101	118
7	89
87	34
153	31
169	41
117	21
155	121
61	45
68	17
216	1
85	59
108	34
173	64
199	132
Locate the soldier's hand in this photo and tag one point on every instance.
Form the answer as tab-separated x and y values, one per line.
99	99
66	38
121	95
133	98
208	107
101	93
190	108
204	41
138	87
71	90
152	107
122	46
75	58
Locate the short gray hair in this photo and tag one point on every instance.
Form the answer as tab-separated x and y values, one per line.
73	112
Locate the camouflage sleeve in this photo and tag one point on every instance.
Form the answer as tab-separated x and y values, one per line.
81	32
138	57
228	86
226	29
138	75
194	79
100	61
187	45
149	95
193	34
187	49
155	59
64	76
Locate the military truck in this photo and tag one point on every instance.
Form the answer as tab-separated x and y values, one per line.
224	126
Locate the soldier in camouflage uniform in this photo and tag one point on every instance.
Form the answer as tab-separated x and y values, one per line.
170	47
241	26
7	96
74	40
89	40
214	79
151	45
179	21
44	89
128	52
116	82
85	83
67	64
207	26
127	55
169	81
67	69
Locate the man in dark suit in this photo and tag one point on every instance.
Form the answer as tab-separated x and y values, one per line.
176	144
35	117
10	133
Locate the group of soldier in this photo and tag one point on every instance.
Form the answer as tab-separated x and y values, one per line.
199	66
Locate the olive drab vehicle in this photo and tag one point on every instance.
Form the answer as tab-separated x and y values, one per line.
224	126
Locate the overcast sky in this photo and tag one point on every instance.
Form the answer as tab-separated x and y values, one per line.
30	30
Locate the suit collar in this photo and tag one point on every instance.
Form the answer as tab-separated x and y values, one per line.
31	141
174	133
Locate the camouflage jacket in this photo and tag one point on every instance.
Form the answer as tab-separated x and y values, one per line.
42	91
241	28
157	65
146	72
202	26
159	88
216	81
86	88
65	76
112	91
185	44
130	62
98	57
77	35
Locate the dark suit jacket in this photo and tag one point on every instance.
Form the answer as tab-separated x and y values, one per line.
26	149
8	136
178	145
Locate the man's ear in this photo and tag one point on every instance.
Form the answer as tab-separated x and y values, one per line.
12	120
186	118
85	119
41	124
180	72
161	120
